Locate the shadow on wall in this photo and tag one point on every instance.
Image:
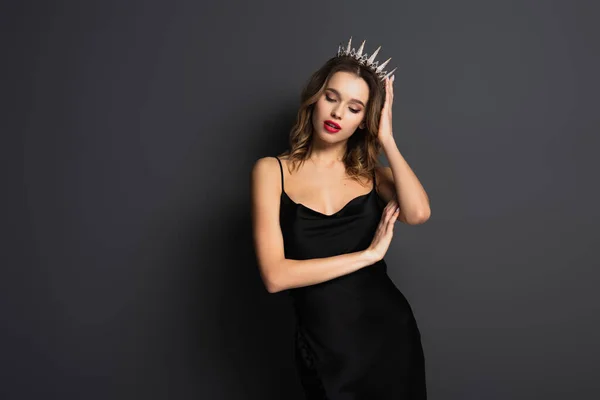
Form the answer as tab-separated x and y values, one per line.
250	329
213	330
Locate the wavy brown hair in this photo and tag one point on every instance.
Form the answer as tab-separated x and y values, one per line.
363	146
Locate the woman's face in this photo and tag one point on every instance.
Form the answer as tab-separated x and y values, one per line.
342	104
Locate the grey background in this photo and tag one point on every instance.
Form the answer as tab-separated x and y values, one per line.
129	129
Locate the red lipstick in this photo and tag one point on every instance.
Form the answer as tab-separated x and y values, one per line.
331	126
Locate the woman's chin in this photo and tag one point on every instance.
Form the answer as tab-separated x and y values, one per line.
328	137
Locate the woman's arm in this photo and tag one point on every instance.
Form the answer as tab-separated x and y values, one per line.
413	200
404	185
277	272
288	274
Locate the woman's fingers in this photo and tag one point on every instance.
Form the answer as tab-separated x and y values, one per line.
389	96
392	205
389	208
391	211
392	89
394	218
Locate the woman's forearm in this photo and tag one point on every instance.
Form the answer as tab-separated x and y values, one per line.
297	273
412	198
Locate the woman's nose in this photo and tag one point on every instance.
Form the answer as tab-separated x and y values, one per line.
336	113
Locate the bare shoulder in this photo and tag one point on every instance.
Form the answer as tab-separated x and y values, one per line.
265	167
265	176
268	238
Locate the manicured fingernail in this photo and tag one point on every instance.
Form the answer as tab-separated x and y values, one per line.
393	77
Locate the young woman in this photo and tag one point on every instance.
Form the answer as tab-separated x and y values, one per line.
322	227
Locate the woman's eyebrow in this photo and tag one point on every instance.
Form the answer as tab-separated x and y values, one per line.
351	100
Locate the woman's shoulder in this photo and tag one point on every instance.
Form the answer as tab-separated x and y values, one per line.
266	165
272	158
266	175
283	159
270	164
267	160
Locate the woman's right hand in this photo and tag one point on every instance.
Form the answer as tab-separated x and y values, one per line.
385	231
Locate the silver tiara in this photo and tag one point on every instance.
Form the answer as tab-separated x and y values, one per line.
364	59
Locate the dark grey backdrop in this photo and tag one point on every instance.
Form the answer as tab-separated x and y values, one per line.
129	129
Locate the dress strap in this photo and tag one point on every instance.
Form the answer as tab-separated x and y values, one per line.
281	169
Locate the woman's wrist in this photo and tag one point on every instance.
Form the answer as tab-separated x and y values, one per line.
387	141
369	256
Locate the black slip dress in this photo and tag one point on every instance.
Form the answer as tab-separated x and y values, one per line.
356	335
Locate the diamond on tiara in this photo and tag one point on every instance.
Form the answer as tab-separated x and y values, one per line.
365	60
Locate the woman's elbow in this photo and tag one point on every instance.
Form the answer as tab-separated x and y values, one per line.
419	218
272	281
273	287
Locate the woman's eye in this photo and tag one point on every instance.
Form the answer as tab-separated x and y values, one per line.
332	100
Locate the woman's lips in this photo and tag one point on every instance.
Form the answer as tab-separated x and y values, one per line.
332	129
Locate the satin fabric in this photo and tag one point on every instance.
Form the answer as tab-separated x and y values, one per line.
356	335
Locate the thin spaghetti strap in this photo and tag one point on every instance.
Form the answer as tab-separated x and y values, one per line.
281	169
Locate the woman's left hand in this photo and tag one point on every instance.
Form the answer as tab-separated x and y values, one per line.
385	121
